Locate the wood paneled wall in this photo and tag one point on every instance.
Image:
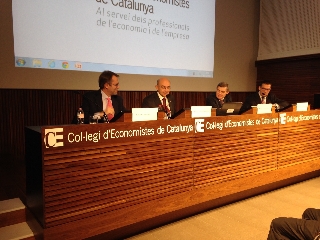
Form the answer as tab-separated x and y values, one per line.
295	79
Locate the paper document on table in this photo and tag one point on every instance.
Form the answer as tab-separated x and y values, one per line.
200	111
144	114
264	108
302	106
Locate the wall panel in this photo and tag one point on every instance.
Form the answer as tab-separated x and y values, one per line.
295	79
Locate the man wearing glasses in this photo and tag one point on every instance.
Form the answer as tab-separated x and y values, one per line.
263	96
162	99
104	102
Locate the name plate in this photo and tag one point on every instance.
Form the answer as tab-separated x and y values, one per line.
144	114
302	106
200	111
264	108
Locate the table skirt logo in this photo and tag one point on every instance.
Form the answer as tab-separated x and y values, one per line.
53	137
283	118
199	125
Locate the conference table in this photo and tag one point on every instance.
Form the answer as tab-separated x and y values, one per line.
118	179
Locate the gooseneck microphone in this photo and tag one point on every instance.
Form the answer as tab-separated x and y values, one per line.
105	117
167	112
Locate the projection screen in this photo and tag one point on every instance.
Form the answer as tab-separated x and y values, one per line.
153	37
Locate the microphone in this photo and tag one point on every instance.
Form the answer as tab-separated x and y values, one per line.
105	117
167	111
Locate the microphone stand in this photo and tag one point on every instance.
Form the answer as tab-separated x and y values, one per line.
105	117
165	109
167	112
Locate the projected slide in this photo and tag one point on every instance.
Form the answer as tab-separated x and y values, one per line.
154	37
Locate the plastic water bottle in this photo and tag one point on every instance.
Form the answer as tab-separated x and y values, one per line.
80	116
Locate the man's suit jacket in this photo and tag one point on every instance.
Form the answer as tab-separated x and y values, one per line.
153	100
213	101
92	103
254	99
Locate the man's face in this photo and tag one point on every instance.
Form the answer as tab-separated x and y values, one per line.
221	92
264	89
112	88
163	87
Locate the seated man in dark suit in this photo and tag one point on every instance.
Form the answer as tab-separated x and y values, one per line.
263	96
221	96
161	99
294	228
105	102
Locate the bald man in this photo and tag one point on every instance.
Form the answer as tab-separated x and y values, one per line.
161	99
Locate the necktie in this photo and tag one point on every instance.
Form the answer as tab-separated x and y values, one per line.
221	102
263	101
109	105
164	104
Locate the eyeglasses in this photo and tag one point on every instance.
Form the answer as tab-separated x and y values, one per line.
116	85
267	89
164	87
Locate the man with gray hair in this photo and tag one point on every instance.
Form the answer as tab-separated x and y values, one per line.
221	96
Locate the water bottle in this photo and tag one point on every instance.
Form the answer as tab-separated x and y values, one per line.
80	116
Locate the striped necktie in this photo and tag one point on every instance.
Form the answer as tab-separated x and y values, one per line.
164	104
221	102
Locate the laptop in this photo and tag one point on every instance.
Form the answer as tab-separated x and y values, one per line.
229	108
